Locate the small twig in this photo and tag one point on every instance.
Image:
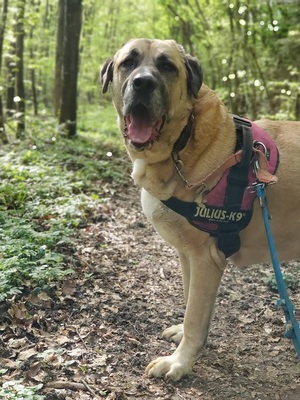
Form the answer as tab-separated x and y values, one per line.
70	316
89	388
81	339
66	385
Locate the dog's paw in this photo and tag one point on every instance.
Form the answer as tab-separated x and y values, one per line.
174	333
168	367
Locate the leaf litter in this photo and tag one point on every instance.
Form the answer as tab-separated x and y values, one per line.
94	335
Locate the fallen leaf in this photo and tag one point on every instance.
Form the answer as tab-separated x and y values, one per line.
27	354
17	343
34	369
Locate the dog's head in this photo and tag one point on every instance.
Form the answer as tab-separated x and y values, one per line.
154	87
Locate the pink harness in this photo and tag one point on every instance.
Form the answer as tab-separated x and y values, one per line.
228	206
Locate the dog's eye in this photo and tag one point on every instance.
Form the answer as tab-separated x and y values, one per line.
166	66
129	63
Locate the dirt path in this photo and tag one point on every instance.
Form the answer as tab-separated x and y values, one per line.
93	337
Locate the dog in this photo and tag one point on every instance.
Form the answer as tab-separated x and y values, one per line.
179	134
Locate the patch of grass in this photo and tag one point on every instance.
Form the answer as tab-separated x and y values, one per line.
100	119
48	185
291	277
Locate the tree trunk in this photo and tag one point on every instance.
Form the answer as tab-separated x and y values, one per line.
2	28
32	76
59	56
3	136
20	89
297	106
111	24
70	65
11	78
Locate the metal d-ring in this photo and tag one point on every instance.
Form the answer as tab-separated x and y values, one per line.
257	143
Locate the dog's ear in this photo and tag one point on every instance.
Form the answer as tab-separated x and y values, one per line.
106	74
194	75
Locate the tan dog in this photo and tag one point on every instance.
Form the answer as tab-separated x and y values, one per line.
156	89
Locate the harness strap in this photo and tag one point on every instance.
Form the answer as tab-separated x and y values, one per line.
229	236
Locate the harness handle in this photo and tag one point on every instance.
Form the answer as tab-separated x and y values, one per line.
261	164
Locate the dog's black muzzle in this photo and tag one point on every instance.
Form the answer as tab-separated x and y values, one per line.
144	82
145	87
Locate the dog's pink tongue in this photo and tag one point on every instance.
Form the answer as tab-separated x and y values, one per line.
140	128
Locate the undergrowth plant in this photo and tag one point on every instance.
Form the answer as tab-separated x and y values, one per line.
49	184
291	277
15	390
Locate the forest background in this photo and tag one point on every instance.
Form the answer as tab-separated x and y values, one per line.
249	51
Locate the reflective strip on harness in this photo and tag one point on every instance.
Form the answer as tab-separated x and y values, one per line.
228	206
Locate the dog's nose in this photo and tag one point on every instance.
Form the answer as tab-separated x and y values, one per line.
144	82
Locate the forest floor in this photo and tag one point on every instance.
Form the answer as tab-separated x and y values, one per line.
94	335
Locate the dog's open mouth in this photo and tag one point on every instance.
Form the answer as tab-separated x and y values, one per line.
140	128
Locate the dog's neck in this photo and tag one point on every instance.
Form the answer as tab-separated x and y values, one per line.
201	146
212	141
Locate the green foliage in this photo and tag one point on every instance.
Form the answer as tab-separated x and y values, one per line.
49	185
291	277
250	51
292	281
28	257
12	196
15	390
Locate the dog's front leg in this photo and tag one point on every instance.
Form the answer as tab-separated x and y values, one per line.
203	285
175	332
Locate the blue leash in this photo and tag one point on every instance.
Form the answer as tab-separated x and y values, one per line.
292	330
